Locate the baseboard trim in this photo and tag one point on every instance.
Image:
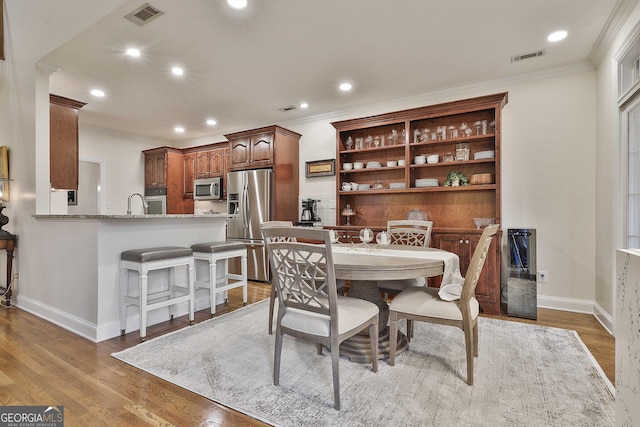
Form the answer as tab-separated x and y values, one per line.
111	329
578	306
58	317
605	319
566	304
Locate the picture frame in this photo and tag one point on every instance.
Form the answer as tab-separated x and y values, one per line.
72	197
318	168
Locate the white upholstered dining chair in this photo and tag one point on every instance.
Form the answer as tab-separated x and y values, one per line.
410	233
272	298
309	305
425	305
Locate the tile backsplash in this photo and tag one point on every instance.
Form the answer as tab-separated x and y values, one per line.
326	207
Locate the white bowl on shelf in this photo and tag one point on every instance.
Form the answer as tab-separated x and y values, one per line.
402	162
358	165
392	163
364	186
373	165
420	160
347	166
433	158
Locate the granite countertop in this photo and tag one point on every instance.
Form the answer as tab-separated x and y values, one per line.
167	216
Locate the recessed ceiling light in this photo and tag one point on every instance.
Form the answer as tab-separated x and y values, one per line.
237	4
557	36
178	71
211	122
179	129
345	87
304	105
98	93
133	52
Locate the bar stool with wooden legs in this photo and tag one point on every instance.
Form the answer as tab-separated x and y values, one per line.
145	260
212	252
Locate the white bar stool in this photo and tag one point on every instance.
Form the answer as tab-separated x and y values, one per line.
145	260
212	252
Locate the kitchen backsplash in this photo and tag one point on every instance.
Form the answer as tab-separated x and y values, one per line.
201	207
326	207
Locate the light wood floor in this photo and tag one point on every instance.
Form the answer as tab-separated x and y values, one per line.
43	364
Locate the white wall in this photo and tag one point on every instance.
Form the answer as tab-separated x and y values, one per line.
123	162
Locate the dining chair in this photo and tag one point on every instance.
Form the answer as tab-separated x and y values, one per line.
309	305
424	304
410	233
272	298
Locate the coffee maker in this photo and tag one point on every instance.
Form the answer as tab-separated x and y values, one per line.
309	212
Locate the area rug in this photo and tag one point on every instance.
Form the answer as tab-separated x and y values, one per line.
525	375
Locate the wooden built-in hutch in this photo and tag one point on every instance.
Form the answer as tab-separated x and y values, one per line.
472	124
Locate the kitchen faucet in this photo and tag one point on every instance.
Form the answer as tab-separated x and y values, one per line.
144	203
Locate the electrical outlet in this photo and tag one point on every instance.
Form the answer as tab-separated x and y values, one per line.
542	276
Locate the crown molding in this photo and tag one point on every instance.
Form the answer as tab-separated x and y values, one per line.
611	29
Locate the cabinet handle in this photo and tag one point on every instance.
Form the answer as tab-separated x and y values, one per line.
461	241
466	241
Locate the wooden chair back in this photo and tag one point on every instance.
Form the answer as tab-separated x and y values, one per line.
303	273
410	232
476	264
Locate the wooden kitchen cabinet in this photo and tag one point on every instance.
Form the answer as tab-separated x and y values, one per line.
205	161
63	142
164	174
260	148
189	161
155	169
392	190
271	147
464	244
210	163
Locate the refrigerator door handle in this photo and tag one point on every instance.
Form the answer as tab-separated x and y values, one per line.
245	205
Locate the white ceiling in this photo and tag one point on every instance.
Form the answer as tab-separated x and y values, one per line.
243	66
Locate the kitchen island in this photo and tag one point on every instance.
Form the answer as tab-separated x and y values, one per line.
82	254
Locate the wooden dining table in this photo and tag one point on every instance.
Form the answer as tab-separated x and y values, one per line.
365	265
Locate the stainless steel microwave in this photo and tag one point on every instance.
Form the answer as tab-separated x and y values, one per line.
207	189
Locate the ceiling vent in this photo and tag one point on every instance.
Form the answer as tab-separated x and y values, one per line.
144	14
285	109
528	55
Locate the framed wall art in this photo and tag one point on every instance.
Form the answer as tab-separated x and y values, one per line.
321	168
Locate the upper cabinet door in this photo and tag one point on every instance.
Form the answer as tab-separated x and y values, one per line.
240	153
63	142
154	170
216	162
202	164
262	150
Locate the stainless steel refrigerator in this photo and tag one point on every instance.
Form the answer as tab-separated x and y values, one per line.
250	200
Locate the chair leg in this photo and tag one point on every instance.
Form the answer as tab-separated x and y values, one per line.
191	277
469	347
212	282
143	289
393	336
373	335
409	330
272	302
124	279
277	357
475	339
243	272
335	365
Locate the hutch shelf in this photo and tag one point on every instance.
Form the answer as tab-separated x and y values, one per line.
386	157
